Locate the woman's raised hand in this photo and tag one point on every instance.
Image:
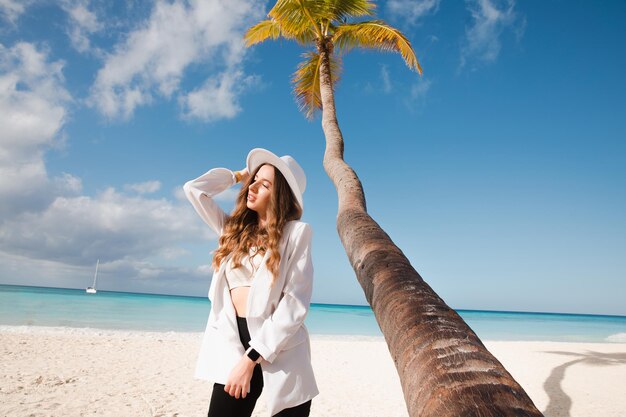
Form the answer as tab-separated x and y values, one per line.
244	175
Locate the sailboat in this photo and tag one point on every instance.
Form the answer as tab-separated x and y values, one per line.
92	289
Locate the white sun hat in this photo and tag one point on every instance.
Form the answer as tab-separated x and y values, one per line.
291	170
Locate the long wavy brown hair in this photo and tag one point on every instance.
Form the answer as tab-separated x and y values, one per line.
241	228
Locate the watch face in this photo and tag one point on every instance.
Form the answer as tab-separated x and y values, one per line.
253	354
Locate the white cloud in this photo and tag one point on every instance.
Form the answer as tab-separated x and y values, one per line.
420	89
32	98
217	98
417	96
50	234
146	187
152	60
482	39
12	9
411	10
124	274
385	86
137	240
83	23
384	74
33	111
110	225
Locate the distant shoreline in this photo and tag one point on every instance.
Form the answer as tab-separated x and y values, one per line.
75	309
365	307
176	334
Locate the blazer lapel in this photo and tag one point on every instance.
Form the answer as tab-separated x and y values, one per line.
260	288
258	297
260	291
217	279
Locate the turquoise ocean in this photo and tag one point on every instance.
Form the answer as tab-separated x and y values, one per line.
74	308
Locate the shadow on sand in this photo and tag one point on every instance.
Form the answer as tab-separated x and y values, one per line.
560	404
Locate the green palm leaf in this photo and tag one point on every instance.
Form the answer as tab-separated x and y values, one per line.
376	34
296	16
272	29
309	21
343	9
307	84
265	29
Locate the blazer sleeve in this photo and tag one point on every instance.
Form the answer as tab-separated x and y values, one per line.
200	192
293	307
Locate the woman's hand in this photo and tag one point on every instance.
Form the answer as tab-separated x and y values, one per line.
239	379
244	175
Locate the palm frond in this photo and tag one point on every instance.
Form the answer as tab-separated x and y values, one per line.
376	34
265	29
295	16
307	81
271	29
341	10
306	37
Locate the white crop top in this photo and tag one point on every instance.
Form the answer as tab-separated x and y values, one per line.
242	276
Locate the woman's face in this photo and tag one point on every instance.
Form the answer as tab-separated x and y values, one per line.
260	190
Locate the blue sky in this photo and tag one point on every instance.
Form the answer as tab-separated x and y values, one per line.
500	173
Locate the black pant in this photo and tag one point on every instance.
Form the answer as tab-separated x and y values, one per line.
223	405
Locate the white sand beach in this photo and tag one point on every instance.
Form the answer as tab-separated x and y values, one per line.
75	372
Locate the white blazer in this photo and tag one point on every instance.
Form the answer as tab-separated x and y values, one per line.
275	315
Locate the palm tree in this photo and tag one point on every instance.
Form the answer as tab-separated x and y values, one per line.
444	368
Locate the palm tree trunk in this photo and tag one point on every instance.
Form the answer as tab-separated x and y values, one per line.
444	368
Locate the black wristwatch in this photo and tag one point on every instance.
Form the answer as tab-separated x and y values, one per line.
253	354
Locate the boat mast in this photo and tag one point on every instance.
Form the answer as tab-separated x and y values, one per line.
96	275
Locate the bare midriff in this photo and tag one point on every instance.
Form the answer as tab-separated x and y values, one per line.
239	296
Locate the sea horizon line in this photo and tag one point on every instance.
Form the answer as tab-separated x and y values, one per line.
363	306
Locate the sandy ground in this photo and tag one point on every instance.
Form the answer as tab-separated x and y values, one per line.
74	372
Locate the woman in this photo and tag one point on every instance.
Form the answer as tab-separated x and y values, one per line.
255	338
